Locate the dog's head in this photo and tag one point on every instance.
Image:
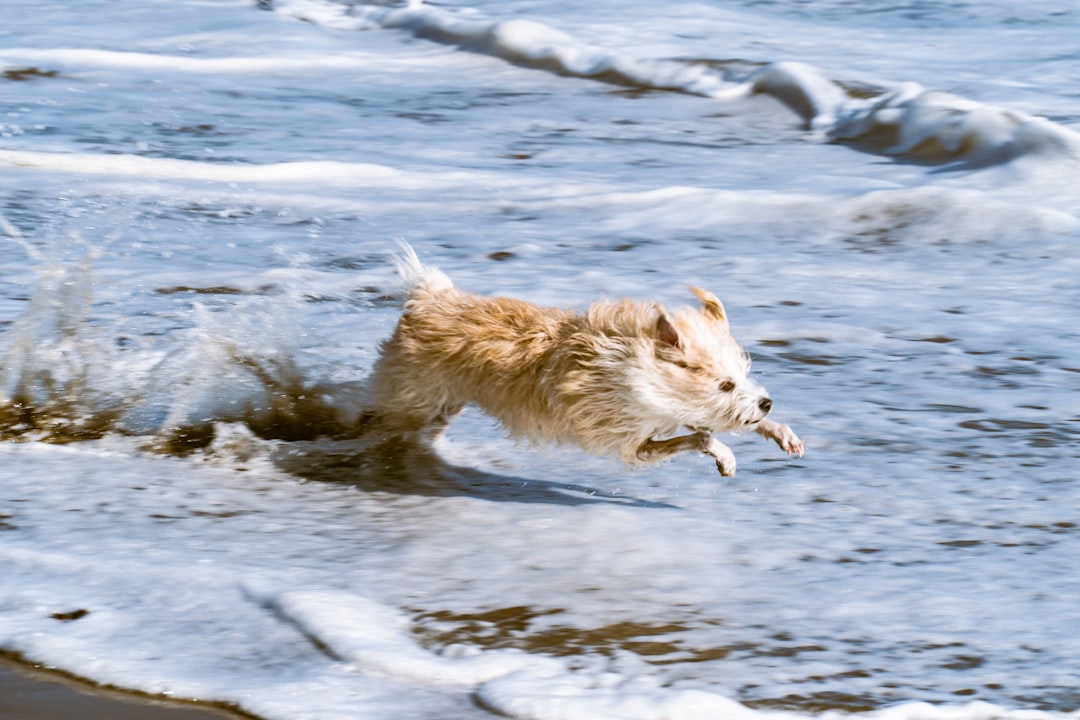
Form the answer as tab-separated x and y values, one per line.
703	371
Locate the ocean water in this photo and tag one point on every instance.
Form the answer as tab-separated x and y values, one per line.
199	204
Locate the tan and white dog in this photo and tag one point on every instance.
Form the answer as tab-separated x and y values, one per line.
622	378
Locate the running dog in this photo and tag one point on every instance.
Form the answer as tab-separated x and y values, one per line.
622	378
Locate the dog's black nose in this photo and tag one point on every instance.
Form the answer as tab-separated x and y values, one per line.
765	404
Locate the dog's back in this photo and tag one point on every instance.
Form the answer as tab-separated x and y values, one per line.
451	348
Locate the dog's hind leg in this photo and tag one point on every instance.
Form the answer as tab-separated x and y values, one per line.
423	425
701	441
434	427
399	406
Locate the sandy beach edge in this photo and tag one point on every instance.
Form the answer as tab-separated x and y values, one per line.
30	692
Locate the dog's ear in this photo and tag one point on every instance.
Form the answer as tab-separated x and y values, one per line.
666	334
711	306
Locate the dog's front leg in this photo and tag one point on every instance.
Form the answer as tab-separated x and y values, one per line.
701	441
784	436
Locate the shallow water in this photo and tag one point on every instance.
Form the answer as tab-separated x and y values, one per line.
201	202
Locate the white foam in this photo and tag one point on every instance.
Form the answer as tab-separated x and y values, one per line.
523	41
84	59
323	171
582	696
936	123
374	638
243	178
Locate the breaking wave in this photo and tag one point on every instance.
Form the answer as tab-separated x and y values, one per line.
897	119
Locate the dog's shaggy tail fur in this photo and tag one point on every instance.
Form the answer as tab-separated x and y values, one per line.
417	278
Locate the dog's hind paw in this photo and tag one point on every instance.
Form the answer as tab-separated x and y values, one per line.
725	458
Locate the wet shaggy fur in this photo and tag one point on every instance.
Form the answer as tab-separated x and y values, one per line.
622	378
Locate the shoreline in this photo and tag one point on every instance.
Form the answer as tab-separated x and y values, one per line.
32	693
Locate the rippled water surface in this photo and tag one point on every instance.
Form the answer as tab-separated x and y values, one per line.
199	204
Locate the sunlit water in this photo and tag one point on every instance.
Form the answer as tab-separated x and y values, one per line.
200	202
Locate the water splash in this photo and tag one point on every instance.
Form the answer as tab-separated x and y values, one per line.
240	366
65	378
50	388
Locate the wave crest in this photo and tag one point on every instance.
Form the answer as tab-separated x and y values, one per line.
903	120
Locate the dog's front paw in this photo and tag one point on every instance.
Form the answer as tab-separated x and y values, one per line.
789	442
783	435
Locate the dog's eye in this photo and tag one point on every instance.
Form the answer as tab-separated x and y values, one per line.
727	386
686	366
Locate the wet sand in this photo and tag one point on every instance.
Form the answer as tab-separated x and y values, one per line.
28	694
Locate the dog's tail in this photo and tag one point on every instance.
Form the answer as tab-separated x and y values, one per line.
417	277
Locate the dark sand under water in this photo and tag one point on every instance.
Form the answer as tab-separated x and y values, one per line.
29	694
